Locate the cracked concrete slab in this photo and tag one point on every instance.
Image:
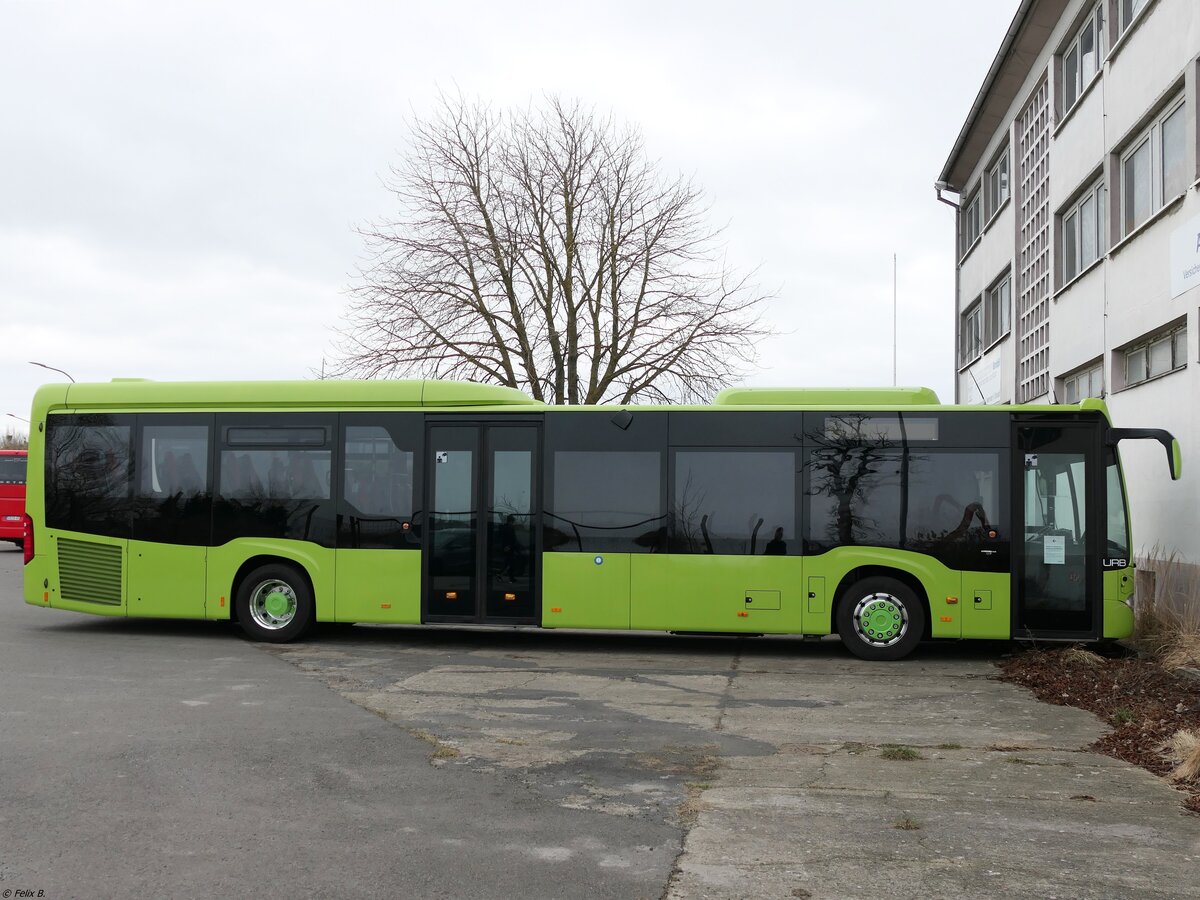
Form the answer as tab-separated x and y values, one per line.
768	755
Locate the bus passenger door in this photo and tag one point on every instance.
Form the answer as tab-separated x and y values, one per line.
1056	574
482	548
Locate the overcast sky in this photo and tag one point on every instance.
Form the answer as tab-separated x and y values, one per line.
182	180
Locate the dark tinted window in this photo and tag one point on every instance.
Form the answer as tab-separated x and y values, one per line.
736	428
734	502
966	429
12	469
944	503
173	496
1117	532
879	428
606	500
605	484
258	437
378	463
276	474
89	474
281	491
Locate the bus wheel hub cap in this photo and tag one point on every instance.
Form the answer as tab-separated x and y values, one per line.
880	619
273	605
277	604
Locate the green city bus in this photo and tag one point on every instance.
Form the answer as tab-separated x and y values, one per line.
880	515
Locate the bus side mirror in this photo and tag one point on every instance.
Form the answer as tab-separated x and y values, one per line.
1170	444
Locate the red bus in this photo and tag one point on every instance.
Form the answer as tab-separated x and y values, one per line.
12	495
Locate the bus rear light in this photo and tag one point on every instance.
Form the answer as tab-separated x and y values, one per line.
27	538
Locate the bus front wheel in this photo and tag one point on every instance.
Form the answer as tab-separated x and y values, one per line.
274	604
880	618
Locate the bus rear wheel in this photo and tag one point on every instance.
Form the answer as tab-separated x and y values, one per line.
880	618
274	604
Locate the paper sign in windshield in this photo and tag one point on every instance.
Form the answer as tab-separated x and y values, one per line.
1054	550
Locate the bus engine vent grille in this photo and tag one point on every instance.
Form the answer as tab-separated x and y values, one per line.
90	573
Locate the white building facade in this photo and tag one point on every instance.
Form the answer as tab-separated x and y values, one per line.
1078	234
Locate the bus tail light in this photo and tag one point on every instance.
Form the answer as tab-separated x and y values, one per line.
27	538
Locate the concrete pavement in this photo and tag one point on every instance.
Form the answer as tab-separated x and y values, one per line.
176	759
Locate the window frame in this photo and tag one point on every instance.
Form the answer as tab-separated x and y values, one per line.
1097	193
971	211
1094	21
1094	369
994	201
991	301
1135	12
974	311
1146	345
1150	137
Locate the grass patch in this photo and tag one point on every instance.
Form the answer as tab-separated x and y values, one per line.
950	746
689	809
906	823
898	752
1122	715
441	750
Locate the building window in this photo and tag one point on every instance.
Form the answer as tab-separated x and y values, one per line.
1174	154
1083	232
1159	355
996	191
1154	168
997	311
971	337
1087	382
1128	12
969	224
1081	61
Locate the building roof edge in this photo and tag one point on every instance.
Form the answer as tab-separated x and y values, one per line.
989	81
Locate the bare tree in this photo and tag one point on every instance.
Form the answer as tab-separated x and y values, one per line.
543	250
14	440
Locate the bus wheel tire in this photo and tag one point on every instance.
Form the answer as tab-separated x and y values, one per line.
880	618
274	604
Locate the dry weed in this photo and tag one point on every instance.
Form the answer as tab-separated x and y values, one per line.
1082	657
1167	609
1184	746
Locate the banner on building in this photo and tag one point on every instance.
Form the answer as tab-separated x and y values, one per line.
1185	257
